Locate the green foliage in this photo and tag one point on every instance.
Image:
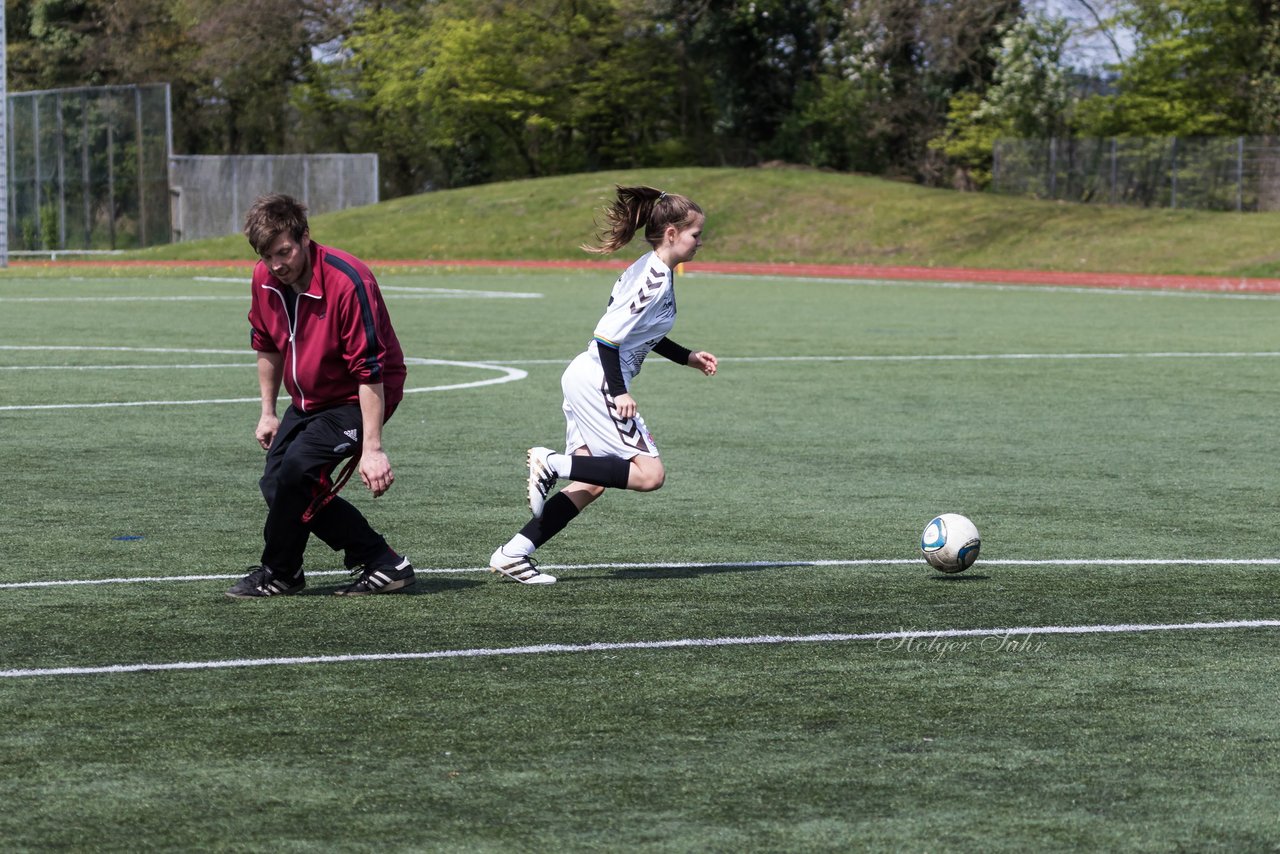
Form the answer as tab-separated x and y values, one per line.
827	130
1264	100
29	236
460	92
1030	89
49	227
530	89
969	140
1029	96
1192	72
48	41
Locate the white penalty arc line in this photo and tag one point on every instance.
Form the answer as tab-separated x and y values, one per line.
508	374
758	564
682	643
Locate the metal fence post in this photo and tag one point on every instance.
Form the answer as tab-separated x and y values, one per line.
62	176
1239	174
1053	167
111	179
86	179
35	181
1114	169
142	162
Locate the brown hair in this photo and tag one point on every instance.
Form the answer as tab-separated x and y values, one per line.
641	206
273	215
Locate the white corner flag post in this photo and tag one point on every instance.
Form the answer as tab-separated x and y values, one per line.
4	146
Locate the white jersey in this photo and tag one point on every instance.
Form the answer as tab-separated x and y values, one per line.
641	311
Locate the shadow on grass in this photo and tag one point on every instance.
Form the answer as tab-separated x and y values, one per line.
423	587
679	572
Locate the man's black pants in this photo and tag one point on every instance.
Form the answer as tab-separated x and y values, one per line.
303	455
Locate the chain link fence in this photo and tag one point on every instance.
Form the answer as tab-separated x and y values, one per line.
91	169
1210	173
88	168
210	194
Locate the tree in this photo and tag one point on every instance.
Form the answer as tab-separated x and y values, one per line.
1193	71
230	75
889	73
460	92
49	42
1030	95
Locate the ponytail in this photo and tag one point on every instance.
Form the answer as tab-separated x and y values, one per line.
641	206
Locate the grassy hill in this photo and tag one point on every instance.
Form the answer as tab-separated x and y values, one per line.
802	215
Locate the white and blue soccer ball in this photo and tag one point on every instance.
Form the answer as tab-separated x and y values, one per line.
950	542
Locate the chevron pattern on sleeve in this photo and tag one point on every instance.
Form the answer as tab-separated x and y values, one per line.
652	286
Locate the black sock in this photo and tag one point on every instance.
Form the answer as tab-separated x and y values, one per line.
600	471
558	512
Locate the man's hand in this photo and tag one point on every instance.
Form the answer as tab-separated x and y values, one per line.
268	426
375	471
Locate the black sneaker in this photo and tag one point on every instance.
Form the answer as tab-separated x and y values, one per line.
262	581
379	579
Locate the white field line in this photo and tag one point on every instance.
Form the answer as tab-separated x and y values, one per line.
192	298
991	357
1011	632
417	292
940	357
401	292
58	348
756	564
124	367
425	292
963	357
988	286
511	374
459	292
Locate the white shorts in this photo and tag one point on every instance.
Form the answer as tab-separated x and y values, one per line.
590	417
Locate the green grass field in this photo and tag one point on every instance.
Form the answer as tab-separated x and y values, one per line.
755	658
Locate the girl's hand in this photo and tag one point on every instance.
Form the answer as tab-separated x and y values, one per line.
704	362
625	406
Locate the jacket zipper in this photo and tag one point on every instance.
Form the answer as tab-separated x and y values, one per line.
293	348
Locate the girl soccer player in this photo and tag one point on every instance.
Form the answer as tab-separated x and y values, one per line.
606	441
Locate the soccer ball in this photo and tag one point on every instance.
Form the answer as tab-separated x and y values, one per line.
950	542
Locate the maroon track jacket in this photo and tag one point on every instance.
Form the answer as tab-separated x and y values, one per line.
342	336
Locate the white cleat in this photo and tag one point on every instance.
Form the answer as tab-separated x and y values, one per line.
522	569
542	479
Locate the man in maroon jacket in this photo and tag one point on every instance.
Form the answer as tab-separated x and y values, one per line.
320	328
